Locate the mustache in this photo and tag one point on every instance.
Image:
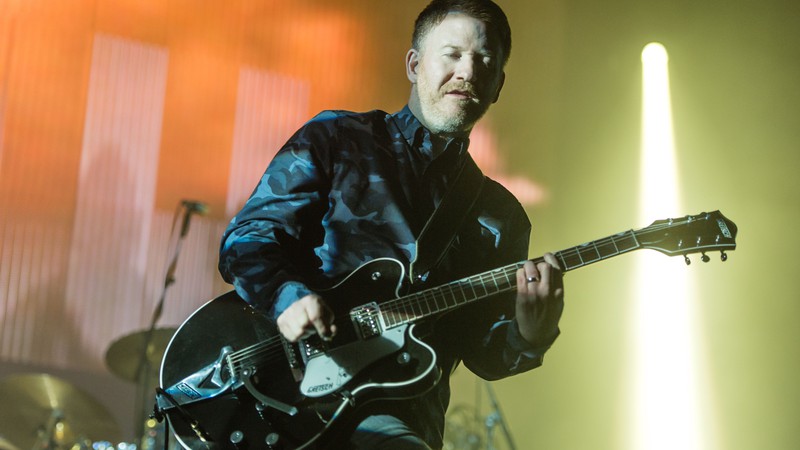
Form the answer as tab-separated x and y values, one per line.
462	87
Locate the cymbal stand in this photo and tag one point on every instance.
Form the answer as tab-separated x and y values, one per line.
494	418
145	392
46	436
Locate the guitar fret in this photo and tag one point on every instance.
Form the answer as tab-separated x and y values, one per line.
610	248
449	301
408	311
389	317
597	250
459	291
570	261
564	266
466	291
493	283
424	305
472	286
432	297
480	287
441	301
448	294
616	247
458	297
456	293
628	241
586	254
511	278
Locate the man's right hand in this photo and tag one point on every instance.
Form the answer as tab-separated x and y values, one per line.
308	315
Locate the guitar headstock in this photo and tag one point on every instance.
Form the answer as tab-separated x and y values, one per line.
701	233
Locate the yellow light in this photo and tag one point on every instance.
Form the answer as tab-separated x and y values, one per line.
667	410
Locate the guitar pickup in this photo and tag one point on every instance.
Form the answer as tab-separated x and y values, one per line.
292	354
366	319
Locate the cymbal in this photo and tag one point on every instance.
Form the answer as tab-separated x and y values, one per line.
124	355
34	403
6	445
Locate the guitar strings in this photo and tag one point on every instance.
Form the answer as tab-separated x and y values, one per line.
401	305
266	350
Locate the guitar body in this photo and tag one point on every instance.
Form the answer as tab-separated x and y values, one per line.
227	340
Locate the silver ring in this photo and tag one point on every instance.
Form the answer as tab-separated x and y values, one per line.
532	279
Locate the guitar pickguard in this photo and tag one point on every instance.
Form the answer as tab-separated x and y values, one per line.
328	372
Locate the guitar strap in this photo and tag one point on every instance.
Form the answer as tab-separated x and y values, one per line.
444	224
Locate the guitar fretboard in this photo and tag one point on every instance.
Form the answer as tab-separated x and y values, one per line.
447	297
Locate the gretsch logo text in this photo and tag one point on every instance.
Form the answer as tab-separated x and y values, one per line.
320	387
724	228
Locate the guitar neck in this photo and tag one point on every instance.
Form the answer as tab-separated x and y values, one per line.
458	293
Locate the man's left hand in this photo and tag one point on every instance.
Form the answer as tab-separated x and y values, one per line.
540	300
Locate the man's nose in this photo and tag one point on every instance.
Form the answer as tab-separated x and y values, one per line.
465	69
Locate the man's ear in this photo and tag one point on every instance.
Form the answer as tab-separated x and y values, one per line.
499	86
412	63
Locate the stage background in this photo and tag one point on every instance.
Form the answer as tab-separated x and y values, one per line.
112	112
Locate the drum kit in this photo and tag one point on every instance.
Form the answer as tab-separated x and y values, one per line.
44	412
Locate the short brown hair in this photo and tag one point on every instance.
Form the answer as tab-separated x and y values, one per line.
486	11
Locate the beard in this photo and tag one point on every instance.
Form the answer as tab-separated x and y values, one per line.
445	114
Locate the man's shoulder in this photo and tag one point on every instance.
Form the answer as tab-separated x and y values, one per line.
499	198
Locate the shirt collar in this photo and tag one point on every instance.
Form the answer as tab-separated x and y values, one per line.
420	138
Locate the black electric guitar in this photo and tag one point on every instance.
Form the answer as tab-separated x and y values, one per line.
230	381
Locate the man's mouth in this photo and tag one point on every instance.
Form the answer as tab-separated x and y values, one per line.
466	95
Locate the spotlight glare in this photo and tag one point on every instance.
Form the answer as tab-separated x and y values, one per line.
666	409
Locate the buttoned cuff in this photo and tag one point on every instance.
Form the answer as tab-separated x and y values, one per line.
286	295
522	355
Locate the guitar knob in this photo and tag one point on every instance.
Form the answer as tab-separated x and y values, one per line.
687	260
273	441
403	358
705	258
723	256
236	438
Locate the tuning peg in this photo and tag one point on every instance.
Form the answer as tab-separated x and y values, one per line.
705	257
723	256
687	260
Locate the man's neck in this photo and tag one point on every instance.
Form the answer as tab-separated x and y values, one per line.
416	110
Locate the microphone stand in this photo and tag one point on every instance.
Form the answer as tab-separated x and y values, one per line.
144	367
496	417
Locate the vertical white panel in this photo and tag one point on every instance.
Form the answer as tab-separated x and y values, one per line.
7	25
33	328
269	109
116	189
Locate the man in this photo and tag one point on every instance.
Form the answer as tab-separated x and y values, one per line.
349	187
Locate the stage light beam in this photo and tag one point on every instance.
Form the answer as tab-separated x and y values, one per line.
668	411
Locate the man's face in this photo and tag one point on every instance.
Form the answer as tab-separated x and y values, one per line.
457	74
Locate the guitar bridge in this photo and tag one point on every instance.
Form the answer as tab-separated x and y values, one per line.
366	319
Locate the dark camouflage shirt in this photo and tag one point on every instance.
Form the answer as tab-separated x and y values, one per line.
351	187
